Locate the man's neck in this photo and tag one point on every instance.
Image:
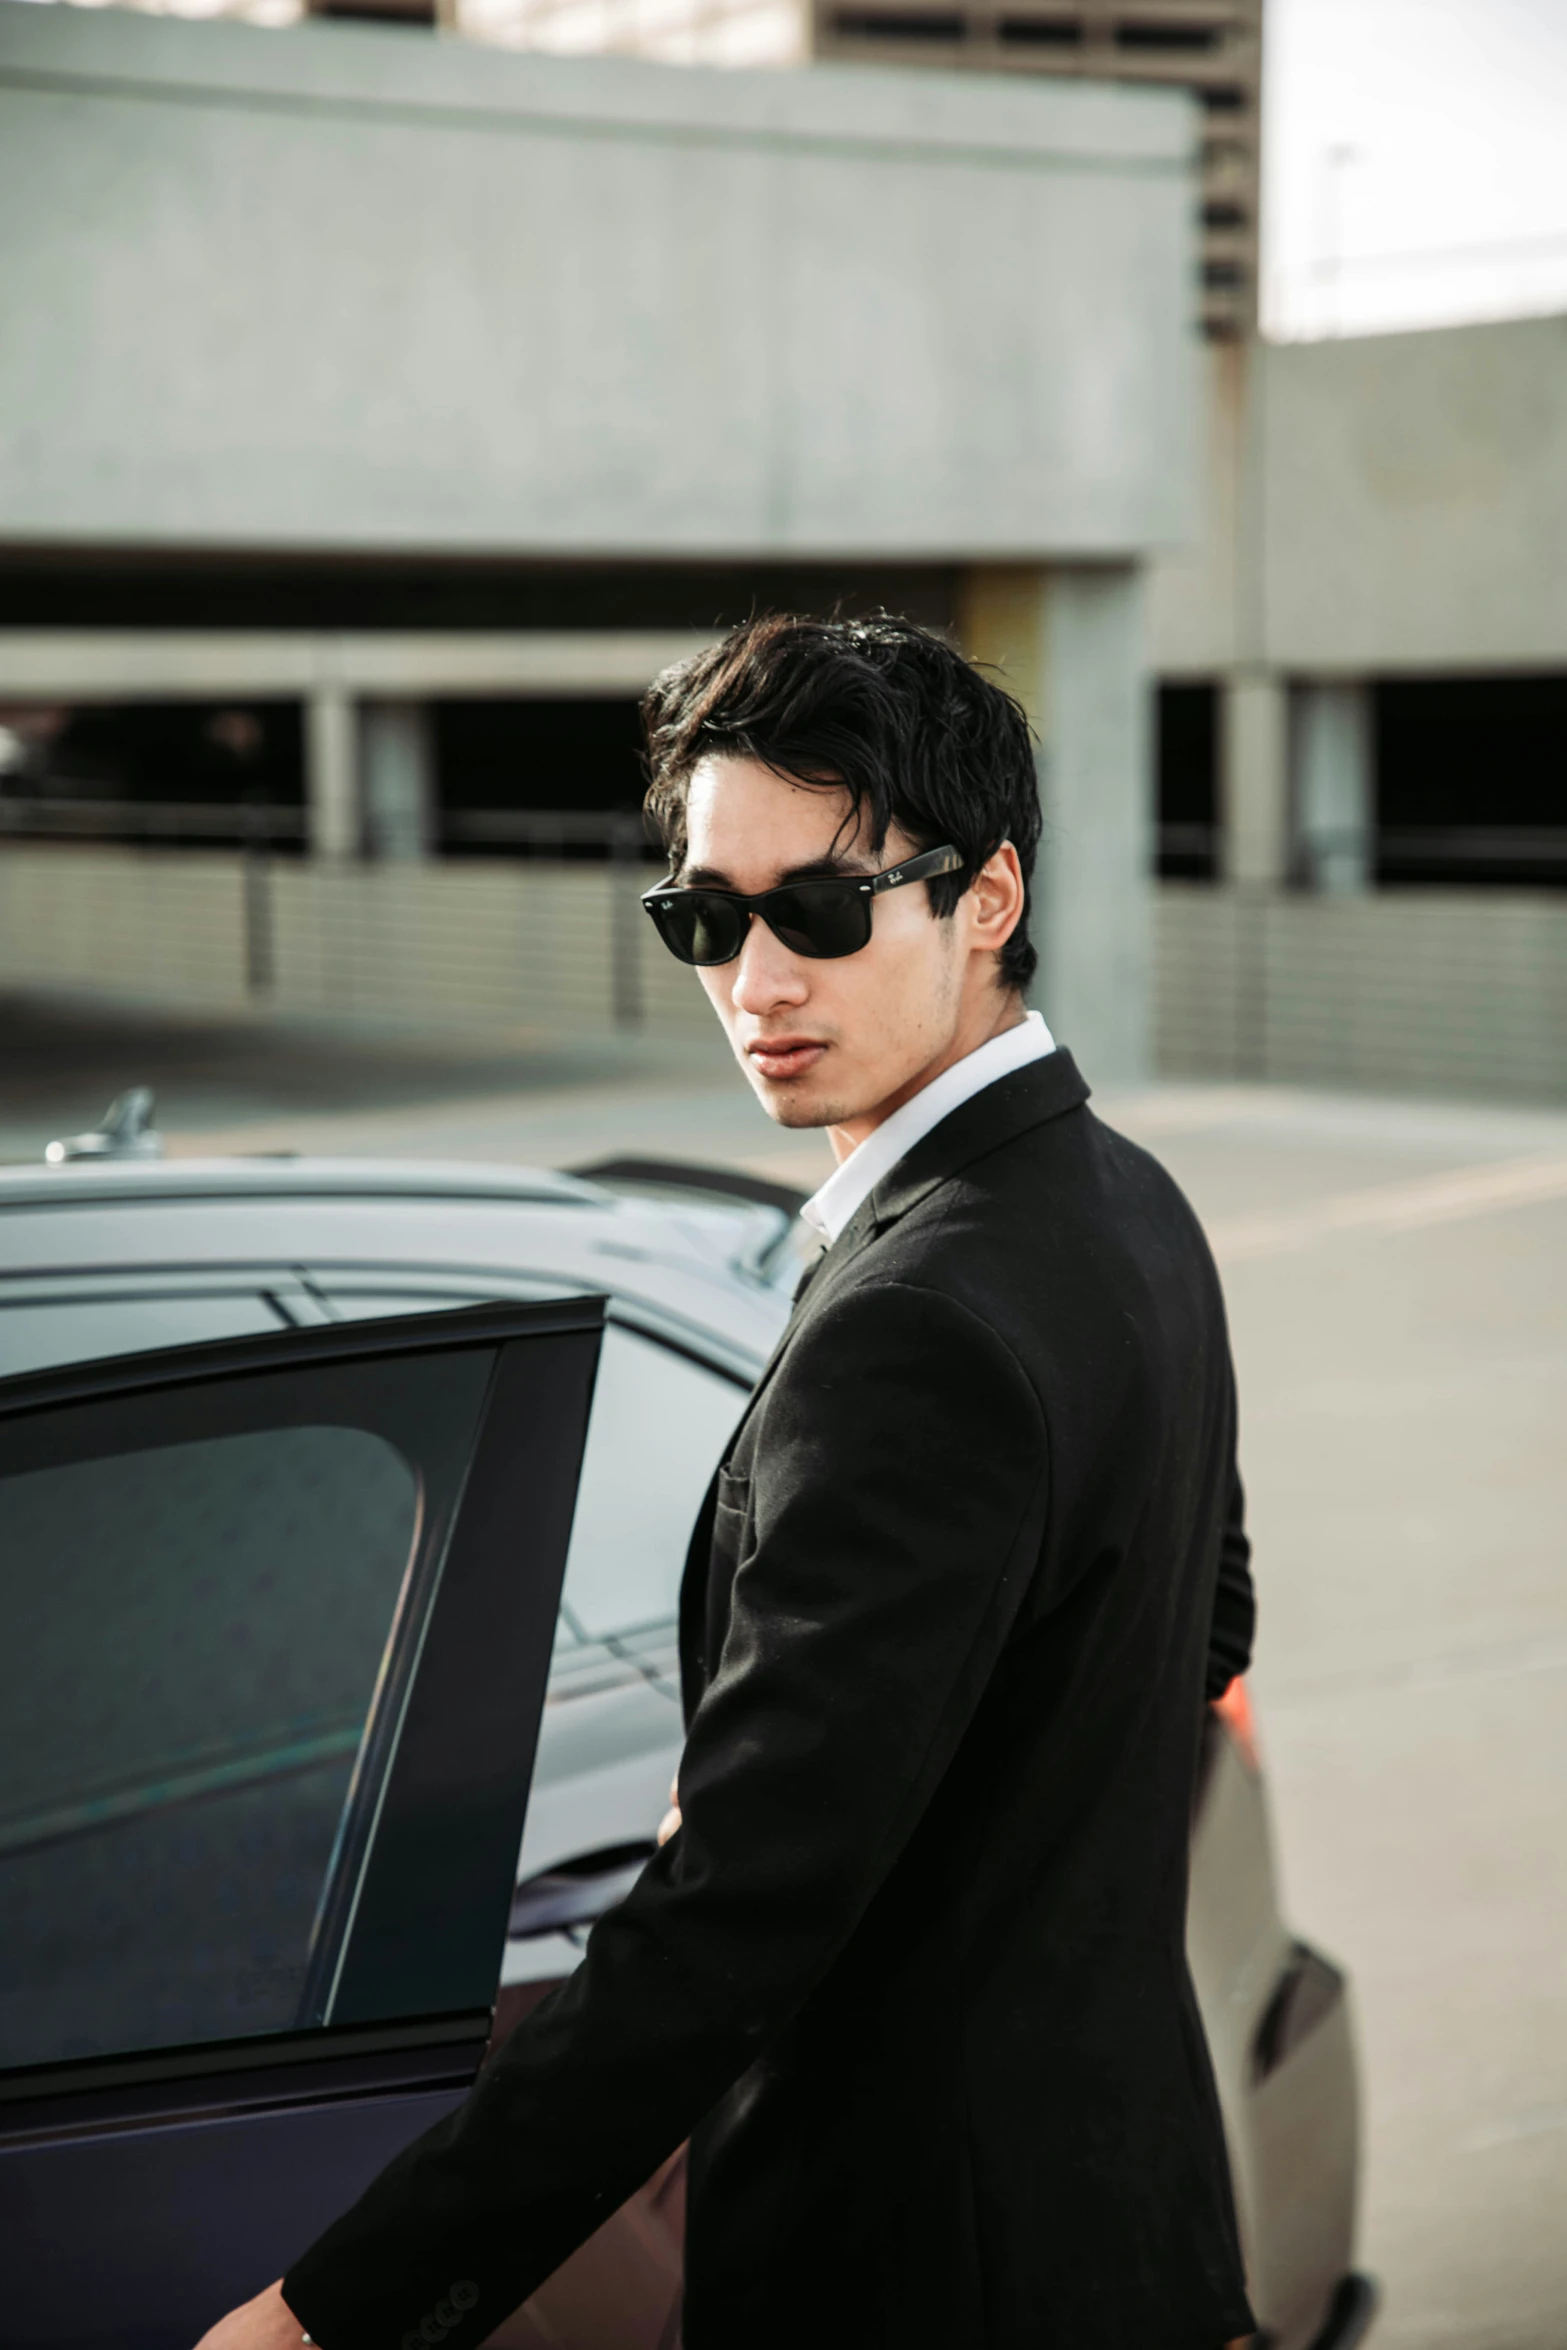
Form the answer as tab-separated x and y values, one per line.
992	1016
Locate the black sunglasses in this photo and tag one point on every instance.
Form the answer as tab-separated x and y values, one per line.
822	919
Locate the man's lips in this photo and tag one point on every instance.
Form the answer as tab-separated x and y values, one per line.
784	1056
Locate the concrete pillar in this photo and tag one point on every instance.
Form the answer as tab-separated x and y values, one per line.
1254	779
397	768
331	773
1334	790
1069	643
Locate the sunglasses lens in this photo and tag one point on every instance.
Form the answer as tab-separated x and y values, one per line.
698	927
820	919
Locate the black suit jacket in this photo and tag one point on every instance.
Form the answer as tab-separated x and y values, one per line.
912	1975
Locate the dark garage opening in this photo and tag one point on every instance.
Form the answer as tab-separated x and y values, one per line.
537	756
1472	781
194	772
1187	760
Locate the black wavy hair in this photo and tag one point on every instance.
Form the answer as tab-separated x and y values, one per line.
916	734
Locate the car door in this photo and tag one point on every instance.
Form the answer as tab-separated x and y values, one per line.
275	1626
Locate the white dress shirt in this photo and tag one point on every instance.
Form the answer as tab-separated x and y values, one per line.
829	1209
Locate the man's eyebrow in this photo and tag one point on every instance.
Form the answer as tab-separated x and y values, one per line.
828	868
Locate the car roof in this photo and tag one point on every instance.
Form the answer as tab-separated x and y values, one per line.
84	1182
701	1258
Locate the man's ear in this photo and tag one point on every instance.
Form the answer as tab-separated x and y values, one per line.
998	897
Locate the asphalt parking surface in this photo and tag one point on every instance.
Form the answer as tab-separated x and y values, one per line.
1397	1281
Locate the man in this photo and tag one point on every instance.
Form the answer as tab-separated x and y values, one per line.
910	1971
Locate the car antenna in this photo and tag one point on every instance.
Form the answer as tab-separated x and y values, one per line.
127	1132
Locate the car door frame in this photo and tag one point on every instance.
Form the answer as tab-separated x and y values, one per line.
117	2170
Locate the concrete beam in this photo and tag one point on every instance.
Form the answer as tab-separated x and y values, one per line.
113	665
1005	368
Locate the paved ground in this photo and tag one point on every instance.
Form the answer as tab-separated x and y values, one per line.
1397	1277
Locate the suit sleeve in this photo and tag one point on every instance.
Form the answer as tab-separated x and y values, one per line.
896	1521
1234	1600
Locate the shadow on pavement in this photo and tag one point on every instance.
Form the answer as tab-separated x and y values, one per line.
64	1060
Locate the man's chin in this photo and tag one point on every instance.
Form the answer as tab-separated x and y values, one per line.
788	1110
793	1102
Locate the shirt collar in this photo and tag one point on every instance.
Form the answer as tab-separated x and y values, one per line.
829	1209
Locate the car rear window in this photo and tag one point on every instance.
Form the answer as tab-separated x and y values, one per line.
36	1334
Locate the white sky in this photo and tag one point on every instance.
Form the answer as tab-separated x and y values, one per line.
1451	200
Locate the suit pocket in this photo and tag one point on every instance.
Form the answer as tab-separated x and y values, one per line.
731	1541
734	1491
731	1522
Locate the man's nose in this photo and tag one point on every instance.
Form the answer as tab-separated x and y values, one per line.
767	975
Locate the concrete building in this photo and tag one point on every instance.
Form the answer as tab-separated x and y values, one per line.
1211	48
374	434
1363	665
382	413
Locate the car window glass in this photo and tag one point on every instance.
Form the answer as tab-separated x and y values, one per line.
659	1426
44	1332
191	1636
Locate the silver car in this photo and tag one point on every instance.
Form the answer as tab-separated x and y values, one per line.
694	1269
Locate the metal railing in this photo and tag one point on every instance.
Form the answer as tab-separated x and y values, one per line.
1439	848
247	822
617	832
1446	850
1188	844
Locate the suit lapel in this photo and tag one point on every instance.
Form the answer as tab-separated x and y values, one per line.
1029	1097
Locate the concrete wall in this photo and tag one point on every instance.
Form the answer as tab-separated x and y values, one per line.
1457	992
167	664
338	288
1416	500
169	927
558	948
1461	993
1203	600
1383	504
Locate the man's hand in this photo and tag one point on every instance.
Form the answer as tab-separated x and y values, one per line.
671	1819
267	2323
